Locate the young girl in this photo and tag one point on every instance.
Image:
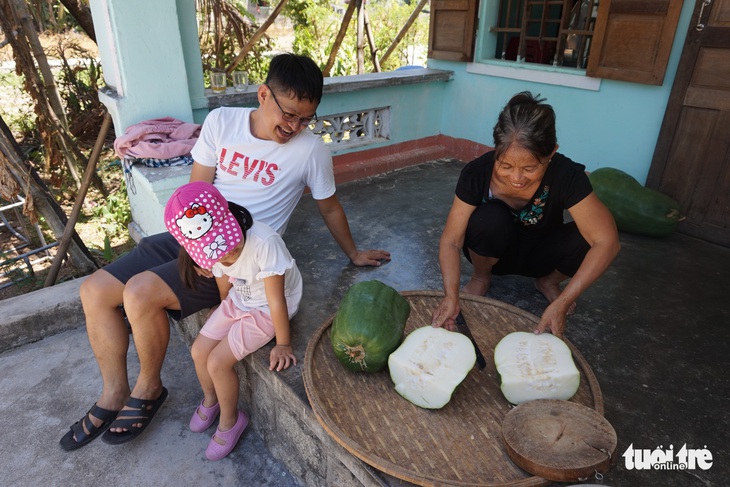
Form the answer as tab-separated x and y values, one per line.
260	287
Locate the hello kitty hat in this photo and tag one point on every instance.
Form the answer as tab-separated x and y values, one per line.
198	217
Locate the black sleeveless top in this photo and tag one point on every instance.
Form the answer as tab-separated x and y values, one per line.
564	184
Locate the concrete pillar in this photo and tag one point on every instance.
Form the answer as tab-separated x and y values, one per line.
151	60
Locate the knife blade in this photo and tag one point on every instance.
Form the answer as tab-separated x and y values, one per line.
461	326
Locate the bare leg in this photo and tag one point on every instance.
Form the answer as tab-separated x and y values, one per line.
549	286
146	296
201	350
220	368
481	277
101	295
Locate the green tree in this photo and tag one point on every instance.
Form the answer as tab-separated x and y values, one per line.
316	25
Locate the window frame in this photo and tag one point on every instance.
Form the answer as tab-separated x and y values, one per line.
664	12
544	30
486	64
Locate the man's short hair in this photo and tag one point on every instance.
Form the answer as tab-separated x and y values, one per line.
298	74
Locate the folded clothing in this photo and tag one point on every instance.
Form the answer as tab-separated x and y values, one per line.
128	162
158	138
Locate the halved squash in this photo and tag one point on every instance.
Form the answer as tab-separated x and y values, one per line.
429	364
535	367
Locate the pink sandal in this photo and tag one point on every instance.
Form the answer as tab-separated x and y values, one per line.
215	450
197	423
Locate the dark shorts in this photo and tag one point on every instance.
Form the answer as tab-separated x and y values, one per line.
492	232
158	254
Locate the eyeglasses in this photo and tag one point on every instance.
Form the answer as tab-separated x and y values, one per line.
290	117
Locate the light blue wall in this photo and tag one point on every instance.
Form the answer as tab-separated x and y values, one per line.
616	126
150	58
416	110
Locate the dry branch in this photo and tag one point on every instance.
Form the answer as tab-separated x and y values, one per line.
38	199
257	35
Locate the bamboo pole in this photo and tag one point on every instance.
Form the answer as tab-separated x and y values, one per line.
70	225
404	30
256	36
360	37
340	37
371	43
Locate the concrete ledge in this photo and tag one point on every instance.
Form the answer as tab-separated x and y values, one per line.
22	319
288	424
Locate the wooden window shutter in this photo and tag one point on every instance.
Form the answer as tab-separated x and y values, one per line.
452	29
633	39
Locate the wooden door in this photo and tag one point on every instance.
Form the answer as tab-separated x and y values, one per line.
692	158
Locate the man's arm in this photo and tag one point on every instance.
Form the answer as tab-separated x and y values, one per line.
202	173
334	217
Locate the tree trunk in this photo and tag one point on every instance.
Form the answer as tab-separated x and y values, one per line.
82	14
40	84
24	26
37	196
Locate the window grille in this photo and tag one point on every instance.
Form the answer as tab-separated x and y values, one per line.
557	32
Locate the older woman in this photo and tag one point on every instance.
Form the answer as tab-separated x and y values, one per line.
507	218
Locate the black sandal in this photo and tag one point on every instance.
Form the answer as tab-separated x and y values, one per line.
78	436
142	411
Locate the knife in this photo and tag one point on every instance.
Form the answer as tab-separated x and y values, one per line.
461	326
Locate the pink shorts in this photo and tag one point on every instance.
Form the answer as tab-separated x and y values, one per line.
247	331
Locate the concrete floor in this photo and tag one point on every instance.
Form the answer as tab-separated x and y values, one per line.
49	384
654	328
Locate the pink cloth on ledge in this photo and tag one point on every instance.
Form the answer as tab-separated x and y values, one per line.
158	138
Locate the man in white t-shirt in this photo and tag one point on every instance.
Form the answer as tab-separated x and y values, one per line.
262	159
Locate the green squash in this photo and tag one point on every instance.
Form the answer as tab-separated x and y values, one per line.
636	209
368	326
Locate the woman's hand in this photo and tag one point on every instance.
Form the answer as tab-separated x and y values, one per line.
281	357
553	318
445	315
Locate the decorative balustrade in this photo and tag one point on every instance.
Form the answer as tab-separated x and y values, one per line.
354	129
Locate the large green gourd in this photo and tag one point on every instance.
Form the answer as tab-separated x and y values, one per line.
368	326
636	209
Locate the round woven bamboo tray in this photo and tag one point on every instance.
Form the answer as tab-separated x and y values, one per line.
458	445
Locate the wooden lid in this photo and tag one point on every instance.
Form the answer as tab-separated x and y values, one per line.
558	440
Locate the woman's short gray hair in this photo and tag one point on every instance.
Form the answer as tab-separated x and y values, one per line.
528	123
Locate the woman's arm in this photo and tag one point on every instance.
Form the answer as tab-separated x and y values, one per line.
598	228
450	245
334	217
282	355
